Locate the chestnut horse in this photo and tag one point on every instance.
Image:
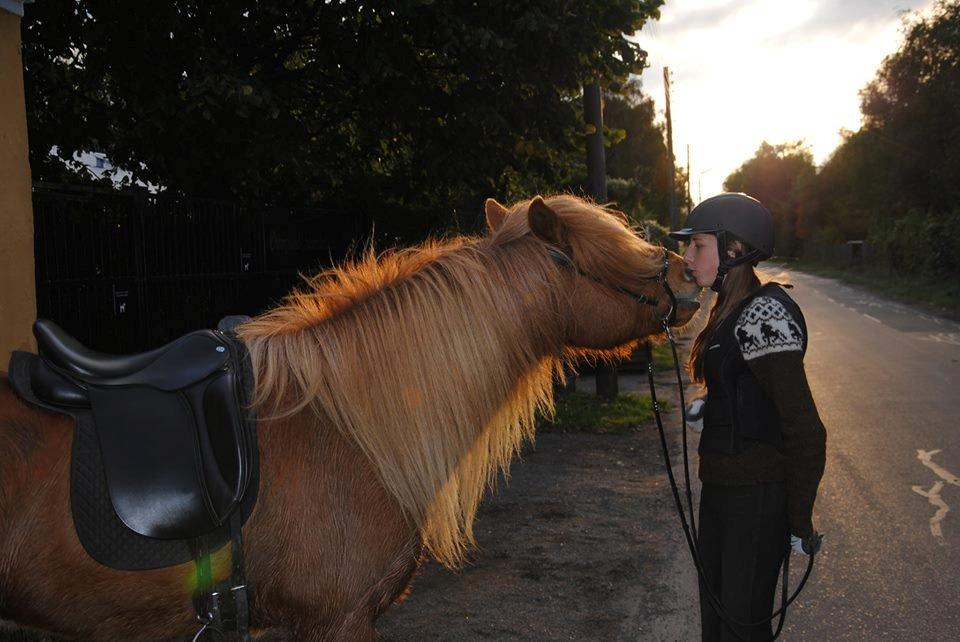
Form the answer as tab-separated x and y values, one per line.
390	392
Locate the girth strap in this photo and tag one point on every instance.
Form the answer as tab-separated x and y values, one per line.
223	608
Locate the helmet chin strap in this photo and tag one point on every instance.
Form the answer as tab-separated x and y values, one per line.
727	262
718	282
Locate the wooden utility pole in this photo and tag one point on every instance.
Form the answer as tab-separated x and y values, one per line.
606	376
596	161
673	172
689	202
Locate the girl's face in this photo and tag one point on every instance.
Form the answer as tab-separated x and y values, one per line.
701	258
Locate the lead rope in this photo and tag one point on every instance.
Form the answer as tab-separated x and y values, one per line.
690	530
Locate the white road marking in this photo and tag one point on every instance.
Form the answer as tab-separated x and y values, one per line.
873	318
952	338
926	456
933	495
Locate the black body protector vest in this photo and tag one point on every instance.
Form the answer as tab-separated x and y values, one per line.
737	411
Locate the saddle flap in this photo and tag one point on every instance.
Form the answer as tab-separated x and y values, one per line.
149	445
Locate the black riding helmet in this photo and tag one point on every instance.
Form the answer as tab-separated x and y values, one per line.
731	215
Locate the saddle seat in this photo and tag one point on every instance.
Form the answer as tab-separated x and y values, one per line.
177	443
180	362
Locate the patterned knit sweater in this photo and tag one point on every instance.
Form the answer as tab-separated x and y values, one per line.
771	342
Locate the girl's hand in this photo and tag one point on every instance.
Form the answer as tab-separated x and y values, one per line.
695	414
807	545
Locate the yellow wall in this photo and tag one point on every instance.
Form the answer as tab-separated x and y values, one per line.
18	303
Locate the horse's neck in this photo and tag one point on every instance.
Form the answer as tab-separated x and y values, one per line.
496	374
526	322
437	380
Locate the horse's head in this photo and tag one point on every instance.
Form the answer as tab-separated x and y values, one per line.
617	286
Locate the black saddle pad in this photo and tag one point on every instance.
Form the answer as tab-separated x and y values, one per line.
100	531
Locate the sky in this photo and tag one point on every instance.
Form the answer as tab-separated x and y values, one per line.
745	71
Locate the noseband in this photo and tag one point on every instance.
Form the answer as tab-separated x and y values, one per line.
668	319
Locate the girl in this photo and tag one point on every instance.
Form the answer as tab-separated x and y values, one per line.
763	444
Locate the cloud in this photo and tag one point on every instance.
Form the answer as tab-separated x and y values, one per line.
752	70
692	18
852	17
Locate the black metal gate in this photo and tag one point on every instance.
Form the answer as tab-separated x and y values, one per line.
126	271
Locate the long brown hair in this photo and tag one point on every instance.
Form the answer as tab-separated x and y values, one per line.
739	282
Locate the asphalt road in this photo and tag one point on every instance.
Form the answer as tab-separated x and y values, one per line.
885	377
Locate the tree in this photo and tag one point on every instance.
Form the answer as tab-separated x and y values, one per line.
403	113
854	186
637	160
910	113
781	177
904	158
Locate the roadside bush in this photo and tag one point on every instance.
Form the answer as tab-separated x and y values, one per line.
944	256
823	244
919	243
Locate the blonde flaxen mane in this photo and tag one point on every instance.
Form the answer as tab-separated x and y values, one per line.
435	360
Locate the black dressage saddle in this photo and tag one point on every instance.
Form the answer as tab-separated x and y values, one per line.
165	451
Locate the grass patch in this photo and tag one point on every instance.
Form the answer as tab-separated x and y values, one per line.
583	412
663	357
941	297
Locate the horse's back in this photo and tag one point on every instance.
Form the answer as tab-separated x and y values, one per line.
25	432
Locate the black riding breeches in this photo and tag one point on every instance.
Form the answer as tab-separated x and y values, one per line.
743	539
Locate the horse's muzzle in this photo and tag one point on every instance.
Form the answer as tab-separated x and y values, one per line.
686	308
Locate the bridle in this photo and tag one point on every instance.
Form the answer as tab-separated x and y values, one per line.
560	258
689	528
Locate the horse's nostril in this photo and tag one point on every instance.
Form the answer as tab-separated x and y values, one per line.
687	274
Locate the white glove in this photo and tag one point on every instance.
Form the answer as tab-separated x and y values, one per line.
695	414
807	545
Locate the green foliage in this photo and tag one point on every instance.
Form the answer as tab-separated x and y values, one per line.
663	358
401	113
655	232
781	177
911	109
854	185
919	243
582	412
637	161
823	244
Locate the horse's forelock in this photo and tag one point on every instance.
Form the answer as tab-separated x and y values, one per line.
602	242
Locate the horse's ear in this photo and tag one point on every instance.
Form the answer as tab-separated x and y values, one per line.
495	213
545	223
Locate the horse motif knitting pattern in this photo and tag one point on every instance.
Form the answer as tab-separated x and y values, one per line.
765	327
